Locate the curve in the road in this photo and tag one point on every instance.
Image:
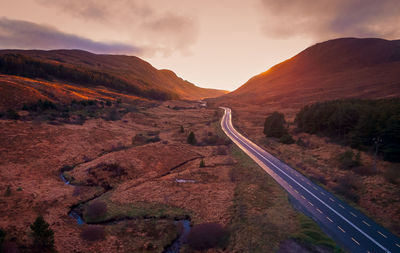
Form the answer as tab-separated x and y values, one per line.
352	229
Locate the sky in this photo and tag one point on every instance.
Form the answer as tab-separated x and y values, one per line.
217	44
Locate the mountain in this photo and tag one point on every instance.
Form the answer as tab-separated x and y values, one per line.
339	68
57	73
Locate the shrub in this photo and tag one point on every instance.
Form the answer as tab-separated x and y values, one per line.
43	235
8	191
221	150
191	139
12	114
113	115
181	130
319	178
202	164
348	160
93	233
365	170
301	142
346	186
286	139
274	125
392	174
96	210
207	235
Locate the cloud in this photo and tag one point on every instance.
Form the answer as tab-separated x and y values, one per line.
326	19
161	29
18	34
156	26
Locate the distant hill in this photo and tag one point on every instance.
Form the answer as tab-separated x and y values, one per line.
37	72
340	68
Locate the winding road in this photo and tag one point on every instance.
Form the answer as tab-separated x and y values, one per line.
349	227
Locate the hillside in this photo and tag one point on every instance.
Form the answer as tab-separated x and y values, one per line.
75	70
340	68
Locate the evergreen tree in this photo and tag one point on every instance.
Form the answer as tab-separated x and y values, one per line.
191	139
43	235
182	130
2	237
274	125
202	164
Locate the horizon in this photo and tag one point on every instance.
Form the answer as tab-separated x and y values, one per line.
204	43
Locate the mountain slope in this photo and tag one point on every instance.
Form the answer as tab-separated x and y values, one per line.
340	68
127	75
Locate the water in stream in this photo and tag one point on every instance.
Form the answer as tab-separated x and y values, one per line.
176	245
173	248
77	217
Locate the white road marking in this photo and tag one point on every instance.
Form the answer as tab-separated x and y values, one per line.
319	210
398	245
310	203
296	191
353	214
303	197
379	232
341	229
355	241
323	193
315	188
329	219
366	223
332	199
263	165
341	206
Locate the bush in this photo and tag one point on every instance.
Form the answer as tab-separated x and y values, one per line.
207	235
96	210
392	174
43	235
93	233
348	160
274	125
181	130
191	139
202	164
286	139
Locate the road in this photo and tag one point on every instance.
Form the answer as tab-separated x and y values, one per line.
349	227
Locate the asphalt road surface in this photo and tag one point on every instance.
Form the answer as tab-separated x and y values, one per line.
349	227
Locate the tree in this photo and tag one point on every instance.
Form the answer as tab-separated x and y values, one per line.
191	139
286	139
182	130
43	235
274	125
202	164
12	114
2	237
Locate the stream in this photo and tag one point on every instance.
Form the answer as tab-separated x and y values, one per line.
184	224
